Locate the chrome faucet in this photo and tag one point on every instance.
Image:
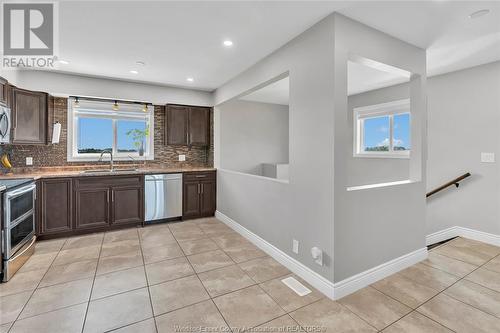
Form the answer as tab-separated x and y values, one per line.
111	160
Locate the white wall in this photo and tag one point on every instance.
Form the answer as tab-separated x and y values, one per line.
303	208
252	133
464	120
60	84
362	170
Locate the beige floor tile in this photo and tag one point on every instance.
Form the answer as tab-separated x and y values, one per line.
172	295
458	316
405	290
121	235
463	254
215	229
288	299
188	234
206	261
449	265
66	320
493	265
83	241
201	317
77	254
39	261
49	246
152	236
486	249
57	297
330	317
375	307
416	323
145	326
69	272
119	262
281	324
162	252
4	328
476	295
429	276
485	278
118	247
264	269
22	281
183	226
224	280
118	282
168	270
230	240
198	246
248	307
12	305
244	253
117	311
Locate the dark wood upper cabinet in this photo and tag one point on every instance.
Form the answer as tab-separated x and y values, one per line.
55	206
199	124
187	125
176	129
199	194
127	205
29	116
4	86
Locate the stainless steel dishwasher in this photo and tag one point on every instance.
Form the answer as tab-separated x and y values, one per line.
163	196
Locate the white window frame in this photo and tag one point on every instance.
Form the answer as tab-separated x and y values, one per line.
97	109
389	109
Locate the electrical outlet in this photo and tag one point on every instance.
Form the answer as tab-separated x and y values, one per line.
488	157
182	158
29	160
295	246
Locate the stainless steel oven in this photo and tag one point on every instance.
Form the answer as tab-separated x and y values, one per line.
18	232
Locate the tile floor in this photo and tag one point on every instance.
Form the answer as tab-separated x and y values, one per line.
201	274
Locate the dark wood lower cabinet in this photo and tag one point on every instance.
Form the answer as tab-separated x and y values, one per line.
127	205
55	206
92	208
199	194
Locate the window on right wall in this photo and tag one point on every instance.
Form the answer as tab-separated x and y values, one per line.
383	130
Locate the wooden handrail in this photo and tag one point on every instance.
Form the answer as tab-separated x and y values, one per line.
452	182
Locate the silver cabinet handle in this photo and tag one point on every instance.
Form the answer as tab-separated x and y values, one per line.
202	188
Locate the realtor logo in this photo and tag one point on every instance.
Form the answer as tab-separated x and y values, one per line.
28	34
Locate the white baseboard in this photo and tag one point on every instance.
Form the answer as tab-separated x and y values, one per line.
457	231
330	289
317	281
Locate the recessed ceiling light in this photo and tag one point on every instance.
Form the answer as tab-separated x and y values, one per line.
64	62
134	72
190	79
140	63
228	43
479	13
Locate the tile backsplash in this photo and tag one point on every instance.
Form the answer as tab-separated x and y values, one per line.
52	155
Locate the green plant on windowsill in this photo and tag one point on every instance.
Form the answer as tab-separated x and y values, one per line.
138	137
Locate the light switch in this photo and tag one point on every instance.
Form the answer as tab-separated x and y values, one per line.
295	246
488	157
29	160
182	158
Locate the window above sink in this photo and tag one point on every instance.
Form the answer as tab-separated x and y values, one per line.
97	126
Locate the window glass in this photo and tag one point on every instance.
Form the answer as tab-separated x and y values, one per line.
376	133
401	136
131	135
94	135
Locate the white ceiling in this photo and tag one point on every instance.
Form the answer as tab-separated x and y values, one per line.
275	93
177	40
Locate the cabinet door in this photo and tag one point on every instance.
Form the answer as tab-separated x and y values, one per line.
3	91
208	198
29	115
55	206
127	205
191	199
199	124
176	125
92	208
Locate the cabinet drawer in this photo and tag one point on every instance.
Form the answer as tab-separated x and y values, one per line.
198	176
99	181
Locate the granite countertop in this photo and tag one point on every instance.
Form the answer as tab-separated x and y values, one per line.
52	172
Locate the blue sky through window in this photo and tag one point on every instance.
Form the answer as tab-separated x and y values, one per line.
376	133
94	135
125	142
402	131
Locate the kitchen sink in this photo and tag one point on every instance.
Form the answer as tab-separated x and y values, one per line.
109	171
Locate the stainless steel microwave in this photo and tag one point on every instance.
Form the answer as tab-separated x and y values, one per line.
5	123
